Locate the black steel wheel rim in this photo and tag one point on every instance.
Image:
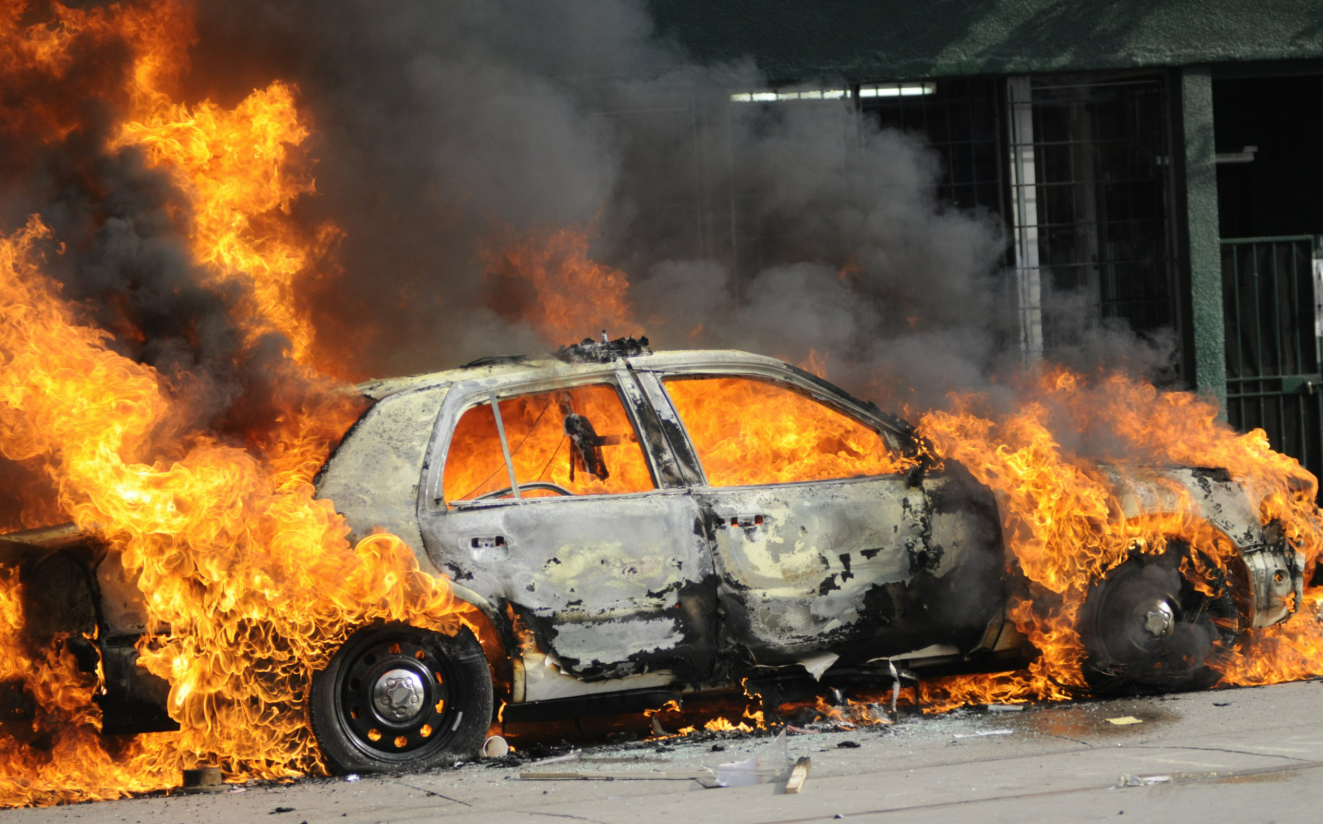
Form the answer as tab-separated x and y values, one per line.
376	664
1199	624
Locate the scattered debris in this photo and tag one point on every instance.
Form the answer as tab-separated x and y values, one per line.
495	747
848	745
572	755
637	775
540	750
1005	708
768	765
1221	704
605	350
1125	721
351	777
202	780
657	728
983	734
798	775
895	687
279	810
1128	780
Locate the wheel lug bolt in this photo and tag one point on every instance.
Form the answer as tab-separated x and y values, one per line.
1158	622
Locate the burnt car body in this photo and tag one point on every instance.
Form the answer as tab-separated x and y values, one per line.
620	559
685	583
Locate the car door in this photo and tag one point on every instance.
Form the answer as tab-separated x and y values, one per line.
816	531
544	497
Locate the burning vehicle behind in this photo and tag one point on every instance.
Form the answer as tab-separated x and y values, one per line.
629	528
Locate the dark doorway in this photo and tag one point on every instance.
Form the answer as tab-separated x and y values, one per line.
1280	190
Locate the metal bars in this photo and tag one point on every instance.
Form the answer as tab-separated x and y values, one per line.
1024	217
1271	293
1100	191
960	121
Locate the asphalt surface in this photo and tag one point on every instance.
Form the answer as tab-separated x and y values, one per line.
1252	754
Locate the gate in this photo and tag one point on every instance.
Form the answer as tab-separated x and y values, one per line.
1270	293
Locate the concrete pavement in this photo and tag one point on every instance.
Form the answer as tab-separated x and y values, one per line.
1252	754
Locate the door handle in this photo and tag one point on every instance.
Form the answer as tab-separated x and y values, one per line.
746	521
488	549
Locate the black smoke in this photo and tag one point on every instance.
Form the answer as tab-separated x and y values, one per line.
777	228
439	125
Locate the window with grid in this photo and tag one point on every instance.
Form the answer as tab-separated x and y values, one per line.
1101	192
959	117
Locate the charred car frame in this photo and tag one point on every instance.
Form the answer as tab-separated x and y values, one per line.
620	559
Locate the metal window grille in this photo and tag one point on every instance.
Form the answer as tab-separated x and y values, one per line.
1092	191
960	120
1271	292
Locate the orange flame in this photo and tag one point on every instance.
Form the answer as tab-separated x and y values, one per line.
253	588
571	295
1065	528
791	438
235	168
249	583
816	363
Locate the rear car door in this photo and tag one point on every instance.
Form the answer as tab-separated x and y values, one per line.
552	503
816	529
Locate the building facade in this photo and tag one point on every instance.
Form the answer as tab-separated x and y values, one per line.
1165	158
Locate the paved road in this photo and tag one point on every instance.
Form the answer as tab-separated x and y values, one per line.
1232	755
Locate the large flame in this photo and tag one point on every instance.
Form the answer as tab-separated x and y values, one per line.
249	583
754	432
235	167
1065	527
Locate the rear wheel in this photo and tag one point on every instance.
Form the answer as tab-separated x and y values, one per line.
1148	626
397	698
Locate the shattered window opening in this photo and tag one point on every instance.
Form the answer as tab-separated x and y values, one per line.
749	432
588	446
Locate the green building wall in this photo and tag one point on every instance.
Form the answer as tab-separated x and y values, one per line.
793	40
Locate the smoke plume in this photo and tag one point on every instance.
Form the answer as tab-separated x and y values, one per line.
781	229
442	127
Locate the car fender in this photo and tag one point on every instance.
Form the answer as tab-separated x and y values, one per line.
1273	569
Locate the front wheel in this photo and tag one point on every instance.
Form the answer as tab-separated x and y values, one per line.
1147	626
396	698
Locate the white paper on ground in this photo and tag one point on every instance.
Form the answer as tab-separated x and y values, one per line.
768	765
985	734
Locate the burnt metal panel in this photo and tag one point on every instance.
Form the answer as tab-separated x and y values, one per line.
809	565
612	585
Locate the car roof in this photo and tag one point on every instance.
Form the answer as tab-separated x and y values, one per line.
516	368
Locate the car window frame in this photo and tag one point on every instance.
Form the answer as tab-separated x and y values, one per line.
461	399
655	388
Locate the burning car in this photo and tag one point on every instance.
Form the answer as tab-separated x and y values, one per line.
632	527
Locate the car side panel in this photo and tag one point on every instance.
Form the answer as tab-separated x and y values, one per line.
805	566
610	585
613	586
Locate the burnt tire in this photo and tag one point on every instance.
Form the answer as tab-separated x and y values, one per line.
396	698
1146	627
